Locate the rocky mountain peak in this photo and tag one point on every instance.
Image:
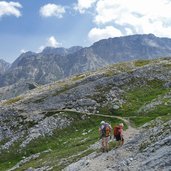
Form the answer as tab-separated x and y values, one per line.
60	51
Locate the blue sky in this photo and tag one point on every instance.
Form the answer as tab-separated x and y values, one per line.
31	25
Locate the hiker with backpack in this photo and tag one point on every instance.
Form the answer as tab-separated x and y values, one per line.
118	134
104	133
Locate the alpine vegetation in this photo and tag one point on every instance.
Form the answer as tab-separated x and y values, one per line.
55	126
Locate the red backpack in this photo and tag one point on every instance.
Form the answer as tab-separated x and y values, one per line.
116	131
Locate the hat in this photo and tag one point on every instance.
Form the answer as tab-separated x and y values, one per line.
102	122
121	124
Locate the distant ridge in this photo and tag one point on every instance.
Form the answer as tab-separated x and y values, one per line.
57	63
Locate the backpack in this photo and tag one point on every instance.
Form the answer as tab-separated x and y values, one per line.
116	131
105	130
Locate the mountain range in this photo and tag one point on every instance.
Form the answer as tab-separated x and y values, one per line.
57	63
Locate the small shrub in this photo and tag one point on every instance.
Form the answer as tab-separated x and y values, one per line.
140	63
13	100
78	77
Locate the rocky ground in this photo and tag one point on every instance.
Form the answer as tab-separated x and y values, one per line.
138	90
147	149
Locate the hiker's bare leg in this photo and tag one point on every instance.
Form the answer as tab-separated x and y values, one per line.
117	144
122	141
103	144
107	147
107	144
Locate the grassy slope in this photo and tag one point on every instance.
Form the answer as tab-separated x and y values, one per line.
139	96
142	96
74	140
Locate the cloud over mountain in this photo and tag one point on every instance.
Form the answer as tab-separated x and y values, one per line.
51	42
135	16
128	17
96	34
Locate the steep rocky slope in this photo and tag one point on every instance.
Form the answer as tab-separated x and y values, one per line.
16	89
3	66
50	123
42	68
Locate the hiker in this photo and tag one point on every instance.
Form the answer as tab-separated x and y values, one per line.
118	134
104	133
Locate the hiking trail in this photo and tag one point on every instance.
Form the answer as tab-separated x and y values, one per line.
105	161
130	132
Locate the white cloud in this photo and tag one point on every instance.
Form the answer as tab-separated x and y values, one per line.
134	16
51	42
50	10
96	34
118	10
10	8
23	51
83	5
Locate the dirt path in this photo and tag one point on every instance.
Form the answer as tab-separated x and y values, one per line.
127	134
106	161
